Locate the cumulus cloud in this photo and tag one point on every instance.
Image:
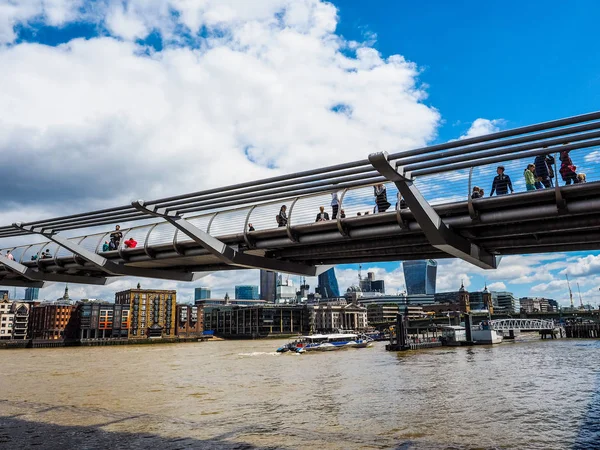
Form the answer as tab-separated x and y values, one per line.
239	91
497	286
587	265
481	127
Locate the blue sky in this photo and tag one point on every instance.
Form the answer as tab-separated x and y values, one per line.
145	68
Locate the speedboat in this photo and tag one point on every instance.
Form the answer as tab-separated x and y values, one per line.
326	342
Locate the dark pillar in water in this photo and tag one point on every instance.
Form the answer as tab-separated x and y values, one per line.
401	331
468	325
511	334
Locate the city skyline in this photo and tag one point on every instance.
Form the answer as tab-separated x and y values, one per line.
433	103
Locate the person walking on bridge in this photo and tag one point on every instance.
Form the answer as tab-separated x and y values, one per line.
501	183
381	201
530	177
543	169
567	169
282	219
335	204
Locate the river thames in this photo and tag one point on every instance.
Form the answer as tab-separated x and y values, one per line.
242	395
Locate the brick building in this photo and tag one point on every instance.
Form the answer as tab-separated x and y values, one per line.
53	321
152	312
190	321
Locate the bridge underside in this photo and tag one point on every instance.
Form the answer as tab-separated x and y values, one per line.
512	224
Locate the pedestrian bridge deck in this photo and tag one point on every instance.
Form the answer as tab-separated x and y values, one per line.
210	230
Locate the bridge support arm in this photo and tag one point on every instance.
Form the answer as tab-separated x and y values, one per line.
436	231
36	275
224	252
106	265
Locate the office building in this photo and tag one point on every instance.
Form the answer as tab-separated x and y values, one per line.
328	284
507	303
53	321
32	293
534	305
227	302
102	320
257	321
246	292
153	312
420	276
201	293
385	313
370	284
268	285
190	321
286	291
478	302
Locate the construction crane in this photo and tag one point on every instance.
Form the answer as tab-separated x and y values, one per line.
580	300
570	292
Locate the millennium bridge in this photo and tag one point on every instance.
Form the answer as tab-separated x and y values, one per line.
431	215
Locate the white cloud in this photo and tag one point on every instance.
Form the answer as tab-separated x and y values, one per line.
481	127
251	101
497	286
586	265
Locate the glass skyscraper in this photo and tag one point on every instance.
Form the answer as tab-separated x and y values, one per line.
328	284
268	285
419	276
246	292
201	293
32	293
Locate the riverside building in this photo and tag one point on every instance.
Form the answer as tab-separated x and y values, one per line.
103	320
327	317
257	321
53	321
190	321
153	312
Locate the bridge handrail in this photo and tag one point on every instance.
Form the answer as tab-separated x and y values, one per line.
353	174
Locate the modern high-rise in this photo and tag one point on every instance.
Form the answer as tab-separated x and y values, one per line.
507	303
246	292
419	276
268	285
328	284
370	284
32	293
201	293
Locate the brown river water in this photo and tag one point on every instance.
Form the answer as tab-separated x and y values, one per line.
242	395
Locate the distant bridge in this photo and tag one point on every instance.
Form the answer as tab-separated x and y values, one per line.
522	324
234	226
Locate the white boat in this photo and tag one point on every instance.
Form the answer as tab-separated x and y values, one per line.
486	336
327	342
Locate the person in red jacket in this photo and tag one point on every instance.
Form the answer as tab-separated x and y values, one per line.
130	243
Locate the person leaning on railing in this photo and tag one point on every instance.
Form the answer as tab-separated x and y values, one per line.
115	238
322	216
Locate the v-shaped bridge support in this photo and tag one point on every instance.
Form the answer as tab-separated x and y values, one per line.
106	265
37	276
225	253
436	231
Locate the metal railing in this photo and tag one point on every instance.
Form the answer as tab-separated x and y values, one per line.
444	174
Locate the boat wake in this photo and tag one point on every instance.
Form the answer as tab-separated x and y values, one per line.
259	354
